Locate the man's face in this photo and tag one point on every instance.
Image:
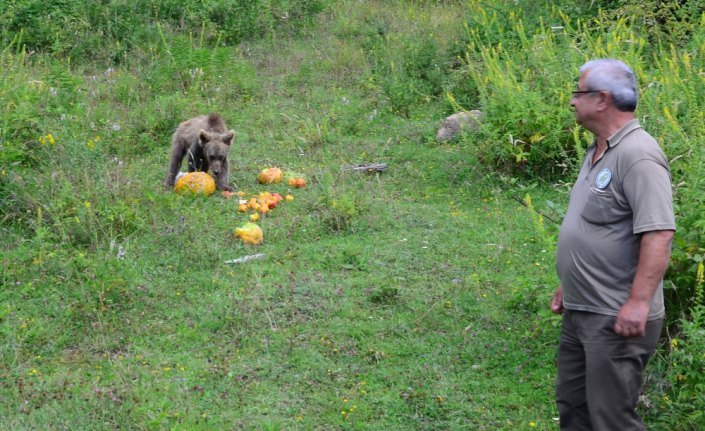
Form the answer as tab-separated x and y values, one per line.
584	102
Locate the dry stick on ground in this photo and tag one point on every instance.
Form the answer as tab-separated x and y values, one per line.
374	167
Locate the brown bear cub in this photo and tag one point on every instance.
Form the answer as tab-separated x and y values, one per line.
207	141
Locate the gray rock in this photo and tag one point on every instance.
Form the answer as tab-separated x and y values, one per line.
465	121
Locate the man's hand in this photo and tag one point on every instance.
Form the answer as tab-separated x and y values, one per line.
654	253
557	301
631	320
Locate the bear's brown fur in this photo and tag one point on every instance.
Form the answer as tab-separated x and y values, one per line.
207	141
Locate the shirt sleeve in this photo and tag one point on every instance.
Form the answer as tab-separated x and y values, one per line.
647	187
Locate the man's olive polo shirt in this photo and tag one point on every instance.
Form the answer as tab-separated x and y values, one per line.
625	193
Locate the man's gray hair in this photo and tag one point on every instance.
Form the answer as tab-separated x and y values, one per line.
615	77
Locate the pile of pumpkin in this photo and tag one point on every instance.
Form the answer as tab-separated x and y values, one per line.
260	205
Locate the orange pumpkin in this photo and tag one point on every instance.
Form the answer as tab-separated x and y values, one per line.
297	182
271	175
195	183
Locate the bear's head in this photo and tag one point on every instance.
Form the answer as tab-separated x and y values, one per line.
215	147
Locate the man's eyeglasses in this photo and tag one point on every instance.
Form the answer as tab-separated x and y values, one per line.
578	93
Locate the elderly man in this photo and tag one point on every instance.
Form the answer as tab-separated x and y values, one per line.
613	250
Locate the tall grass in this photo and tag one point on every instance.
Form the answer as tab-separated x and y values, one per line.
524	77
524	80
113	31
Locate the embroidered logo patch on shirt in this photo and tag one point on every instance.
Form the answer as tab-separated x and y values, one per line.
603	178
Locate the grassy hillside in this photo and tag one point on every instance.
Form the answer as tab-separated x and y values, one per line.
416	298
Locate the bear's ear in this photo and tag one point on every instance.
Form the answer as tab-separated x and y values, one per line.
228	137
203	137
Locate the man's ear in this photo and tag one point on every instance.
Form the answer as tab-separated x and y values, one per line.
203	137
605	99
227	139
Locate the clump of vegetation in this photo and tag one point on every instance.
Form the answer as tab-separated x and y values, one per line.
113	31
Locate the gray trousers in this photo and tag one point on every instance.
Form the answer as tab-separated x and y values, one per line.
600	373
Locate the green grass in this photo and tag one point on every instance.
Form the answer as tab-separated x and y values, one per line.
403	322
415	299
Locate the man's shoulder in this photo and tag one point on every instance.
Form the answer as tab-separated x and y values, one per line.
639	145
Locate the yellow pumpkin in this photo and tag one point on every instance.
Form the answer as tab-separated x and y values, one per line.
250	233
271	175
196	183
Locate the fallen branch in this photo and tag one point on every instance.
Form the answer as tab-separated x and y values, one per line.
374	167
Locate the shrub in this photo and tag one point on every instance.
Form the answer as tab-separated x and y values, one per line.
524	73
663	22
411	66
108	31
524	85
686	376
524	82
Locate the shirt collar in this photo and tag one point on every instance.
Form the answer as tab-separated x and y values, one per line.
617	136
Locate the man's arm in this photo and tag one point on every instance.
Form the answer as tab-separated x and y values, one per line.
654	255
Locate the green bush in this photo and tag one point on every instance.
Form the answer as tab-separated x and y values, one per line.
524	85
686	376
524	70
663	22
411	67
524	81
673	109
110	30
